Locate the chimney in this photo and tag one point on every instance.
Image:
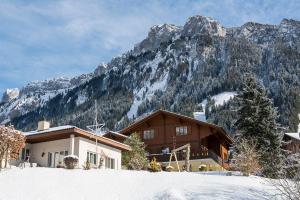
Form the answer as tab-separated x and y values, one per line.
43	125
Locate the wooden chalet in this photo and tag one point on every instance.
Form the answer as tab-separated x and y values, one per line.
163	131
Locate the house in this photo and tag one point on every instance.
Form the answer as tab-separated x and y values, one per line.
47	147
293	140
163	131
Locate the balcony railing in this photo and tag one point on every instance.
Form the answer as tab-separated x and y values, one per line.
193	156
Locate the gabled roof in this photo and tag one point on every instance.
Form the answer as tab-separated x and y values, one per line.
294	135
63	132
168	113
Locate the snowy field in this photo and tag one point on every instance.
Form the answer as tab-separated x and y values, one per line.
56	184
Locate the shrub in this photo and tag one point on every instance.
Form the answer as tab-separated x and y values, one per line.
154	166
169	168
202	168
70	161
86	165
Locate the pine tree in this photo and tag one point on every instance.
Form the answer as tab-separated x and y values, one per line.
135	159
257	121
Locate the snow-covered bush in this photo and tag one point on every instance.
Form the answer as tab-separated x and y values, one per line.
202	167
70	161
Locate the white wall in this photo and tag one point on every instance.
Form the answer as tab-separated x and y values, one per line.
86	145
81	147
38	149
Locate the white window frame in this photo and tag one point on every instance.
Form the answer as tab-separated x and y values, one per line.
148	134
110	163
91	157
181	130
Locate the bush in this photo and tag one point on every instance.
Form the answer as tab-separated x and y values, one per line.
202	168
70	161
154	166
86	165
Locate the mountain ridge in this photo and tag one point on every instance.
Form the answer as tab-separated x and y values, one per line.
176	67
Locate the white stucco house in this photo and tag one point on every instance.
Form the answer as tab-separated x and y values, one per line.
47	147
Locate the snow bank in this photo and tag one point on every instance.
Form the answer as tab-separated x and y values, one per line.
51	183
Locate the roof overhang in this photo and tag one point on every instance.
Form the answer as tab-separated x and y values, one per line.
219	129
77	132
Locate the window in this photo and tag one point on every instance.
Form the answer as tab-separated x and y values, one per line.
109	163
91	157
148	134
181	130
25	154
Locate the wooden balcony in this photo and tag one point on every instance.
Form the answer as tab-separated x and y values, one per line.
193	156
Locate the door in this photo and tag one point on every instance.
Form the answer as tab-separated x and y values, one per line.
50	159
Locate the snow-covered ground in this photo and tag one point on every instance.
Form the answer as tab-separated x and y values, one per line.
56	184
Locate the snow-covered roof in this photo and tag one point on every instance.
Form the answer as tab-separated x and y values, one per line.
117	133
294	135
58	128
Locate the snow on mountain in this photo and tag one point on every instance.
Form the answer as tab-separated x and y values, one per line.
221	98
146	92
200	116
35	94
10	94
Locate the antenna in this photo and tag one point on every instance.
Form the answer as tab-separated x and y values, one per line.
96	128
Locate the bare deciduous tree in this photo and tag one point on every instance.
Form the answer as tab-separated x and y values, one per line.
11	143
246	158
288	186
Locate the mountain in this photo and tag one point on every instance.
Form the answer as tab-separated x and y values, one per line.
176	68
16	103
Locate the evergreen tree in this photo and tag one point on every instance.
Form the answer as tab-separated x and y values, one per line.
135	159
257	121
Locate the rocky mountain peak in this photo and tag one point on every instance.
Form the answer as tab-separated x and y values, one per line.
10	94
157	35
203	25
101	69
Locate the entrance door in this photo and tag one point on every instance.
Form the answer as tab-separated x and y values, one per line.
50	157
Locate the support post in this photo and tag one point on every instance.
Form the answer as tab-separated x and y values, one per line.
72	144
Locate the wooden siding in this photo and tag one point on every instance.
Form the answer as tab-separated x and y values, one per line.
200	136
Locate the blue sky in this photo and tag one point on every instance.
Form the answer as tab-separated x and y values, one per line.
45	39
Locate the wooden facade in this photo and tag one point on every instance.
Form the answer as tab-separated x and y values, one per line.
163	130
292	142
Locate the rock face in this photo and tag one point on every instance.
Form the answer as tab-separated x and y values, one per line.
176	68
10	94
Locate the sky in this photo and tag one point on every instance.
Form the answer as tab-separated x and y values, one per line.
42	39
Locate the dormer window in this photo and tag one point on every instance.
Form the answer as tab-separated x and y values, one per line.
181	130
148	134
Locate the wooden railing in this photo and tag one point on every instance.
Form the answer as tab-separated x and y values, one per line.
193	156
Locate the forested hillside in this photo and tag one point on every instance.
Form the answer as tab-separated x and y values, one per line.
177	67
